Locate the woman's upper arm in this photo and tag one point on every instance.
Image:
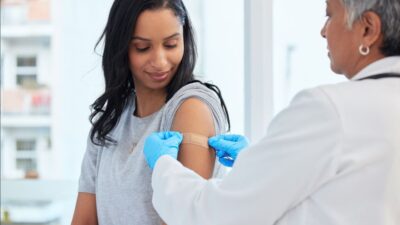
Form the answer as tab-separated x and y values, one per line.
194	116
85	210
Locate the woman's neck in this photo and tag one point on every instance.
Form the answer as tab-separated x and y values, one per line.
363	62
149	102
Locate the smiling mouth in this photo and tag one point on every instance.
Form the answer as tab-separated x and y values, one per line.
158	76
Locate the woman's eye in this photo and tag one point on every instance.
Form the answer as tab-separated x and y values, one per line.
170	46
142	49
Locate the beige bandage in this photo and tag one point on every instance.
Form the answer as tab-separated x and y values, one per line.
195	139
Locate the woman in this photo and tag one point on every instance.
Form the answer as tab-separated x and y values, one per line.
148	61
332	157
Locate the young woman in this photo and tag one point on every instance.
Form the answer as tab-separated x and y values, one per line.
148	61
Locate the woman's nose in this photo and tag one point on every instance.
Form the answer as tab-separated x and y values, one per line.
159	60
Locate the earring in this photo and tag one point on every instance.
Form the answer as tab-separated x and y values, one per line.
363	50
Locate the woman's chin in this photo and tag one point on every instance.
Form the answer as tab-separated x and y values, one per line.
335	69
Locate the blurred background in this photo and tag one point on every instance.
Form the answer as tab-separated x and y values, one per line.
260	53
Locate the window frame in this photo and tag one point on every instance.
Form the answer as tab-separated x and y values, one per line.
258	68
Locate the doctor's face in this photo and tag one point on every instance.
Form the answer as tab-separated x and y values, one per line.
342	41
156	49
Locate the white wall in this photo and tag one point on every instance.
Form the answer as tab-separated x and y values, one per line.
78	78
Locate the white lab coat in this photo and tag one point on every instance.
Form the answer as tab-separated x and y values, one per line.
331	158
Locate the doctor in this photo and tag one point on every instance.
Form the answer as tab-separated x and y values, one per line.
331	158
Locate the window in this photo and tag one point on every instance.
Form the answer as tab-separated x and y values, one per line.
49	143
26	164
27	71
26	61
26	154
26	145
221	51
26	80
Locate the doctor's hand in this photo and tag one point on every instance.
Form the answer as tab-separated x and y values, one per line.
227	147
161	143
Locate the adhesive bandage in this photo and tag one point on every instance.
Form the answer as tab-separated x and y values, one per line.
195	139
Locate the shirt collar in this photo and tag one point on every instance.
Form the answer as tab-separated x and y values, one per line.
386	65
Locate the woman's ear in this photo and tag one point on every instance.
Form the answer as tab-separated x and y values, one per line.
372	28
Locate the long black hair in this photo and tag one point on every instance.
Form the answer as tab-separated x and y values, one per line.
119	85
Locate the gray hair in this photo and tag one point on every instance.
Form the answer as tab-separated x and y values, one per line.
388	11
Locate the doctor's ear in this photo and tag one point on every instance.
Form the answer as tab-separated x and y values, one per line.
372	28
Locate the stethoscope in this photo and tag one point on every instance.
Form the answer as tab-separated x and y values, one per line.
380	76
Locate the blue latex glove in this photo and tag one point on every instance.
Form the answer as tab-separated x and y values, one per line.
161	143
227	147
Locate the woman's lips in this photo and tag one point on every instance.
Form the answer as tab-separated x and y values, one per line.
158	76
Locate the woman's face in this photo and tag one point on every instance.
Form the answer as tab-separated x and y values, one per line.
342	42
156	49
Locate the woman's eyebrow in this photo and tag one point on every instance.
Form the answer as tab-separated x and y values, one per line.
139	38
146	39
172	36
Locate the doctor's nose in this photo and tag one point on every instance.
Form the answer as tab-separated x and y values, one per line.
323	31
